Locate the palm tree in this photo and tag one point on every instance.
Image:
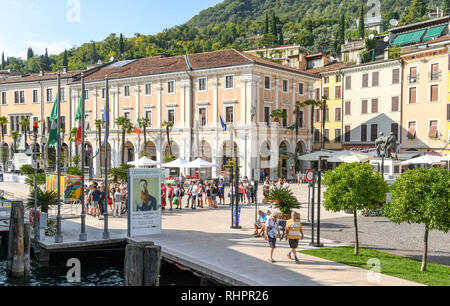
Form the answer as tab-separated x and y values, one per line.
143	125
168	125
98	125
125	124
25	124
3	122
323	107
15	135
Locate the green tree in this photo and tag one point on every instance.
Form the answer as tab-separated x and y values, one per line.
3	61
25	124
30	53
121	46
93	55
354	187
274	27
66	59
305	38
445	7
361	24
266	25
15	136
125	125
341	37
415	13
3	123
143	124
422	196
281	37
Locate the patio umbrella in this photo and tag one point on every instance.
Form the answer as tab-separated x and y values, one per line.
315	155
349	157
200	164
426	159
144	162
179	163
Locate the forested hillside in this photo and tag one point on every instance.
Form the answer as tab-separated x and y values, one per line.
320	25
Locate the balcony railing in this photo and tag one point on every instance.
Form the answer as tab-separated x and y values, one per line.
413	78
435	76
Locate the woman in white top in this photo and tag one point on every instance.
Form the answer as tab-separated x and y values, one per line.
118	198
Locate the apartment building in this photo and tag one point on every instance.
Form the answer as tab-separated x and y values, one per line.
330	86
425	109
372	103
194	92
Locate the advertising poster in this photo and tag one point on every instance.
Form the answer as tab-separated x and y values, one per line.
144	202
70	186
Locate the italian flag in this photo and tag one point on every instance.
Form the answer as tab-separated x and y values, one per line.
79	116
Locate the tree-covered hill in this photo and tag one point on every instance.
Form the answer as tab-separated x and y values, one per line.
320	25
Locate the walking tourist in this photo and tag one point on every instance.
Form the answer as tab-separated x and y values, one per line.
221	192
194	195
214	192
170	195
200	195
294	229
163	196
272	233
118	198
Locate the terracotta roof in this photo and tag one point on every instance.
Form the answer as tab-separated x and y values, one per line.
329	67
37	77
206	60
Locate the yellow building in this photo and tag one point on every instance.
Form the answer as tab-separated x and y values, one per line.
330	86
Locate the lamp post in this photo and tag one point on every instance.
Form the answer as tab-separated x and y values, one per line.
37	234
319	200
83	234
59	237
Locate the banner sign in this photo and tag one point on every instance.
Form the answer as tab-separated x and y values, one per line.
71	189
144	202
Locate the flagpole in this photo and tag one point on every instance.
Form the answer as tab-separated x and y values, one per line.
106	231
83	234
59	237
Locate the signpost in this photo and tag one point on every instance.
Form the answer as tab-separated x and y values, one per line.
144	202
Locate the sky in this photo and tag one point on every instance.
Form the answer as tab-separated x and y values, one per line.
62	24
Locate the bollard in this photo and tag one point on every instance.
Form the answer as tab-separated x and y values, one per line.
18	266
152	265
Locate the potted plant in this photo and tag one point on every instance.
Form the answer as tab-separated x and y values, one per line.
45	199
285	201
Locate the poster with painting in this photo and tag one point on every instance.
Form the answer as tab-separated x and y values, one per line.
144	201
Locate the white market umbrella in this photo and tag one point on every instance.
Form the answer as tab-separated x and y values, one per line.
179	163
200	164
349	157
316	155
426	160
446	158
144	162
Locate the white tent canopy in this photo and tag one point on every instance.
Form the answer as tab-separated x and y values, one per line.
179	163
349	157
445	159
200	164
425	160
144	162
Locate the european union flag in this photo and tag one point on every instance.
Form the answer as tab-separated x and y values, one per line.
224	126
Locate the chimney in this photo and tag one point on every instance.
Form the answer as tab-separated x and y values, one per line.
302	63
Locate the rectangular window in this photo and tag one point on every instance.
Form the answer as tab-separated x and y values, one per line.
348	82
148	115
448	112
285	120
202	84
229	82
4	101
171	116
374	106
338	114
434	93
87	122
317	115
326	92
337	135
365	80
86	95
326	135
363	133
374	132
127	115
35	96
285	86
229	114
316	136
19	97
301	122
348	108
301	89
364	107
435	73
396	76
395	129
171	87
126	91
395	107
327	114
338	78
103	93
347	133
412	95
202	116
413	75
267	82
337	92
375	78
148	89
433	129
63	94
412	130
318	94
326	80
63	123
267	115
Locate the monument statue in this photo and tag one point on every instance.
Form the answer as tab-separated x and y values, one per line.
385	145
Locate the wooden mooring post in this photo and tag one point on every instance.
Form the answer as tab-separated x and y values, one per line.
18	243
142	265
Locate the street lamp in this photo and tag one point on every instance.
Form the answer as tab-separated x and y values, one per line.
317	244
37	235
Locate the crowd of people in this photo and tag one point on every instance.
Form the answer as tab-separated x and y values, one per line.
97	200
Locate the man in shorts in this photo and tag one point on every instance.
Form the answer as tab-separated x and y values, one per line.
272	233
221	192
294	229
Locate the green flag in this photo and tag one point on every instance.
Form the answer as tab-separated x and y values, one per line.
53	137
293	128
79	114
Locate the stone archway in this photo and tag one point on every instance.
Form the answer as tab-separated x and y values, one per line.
175	150
283	168
206	154
150	149
129	152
